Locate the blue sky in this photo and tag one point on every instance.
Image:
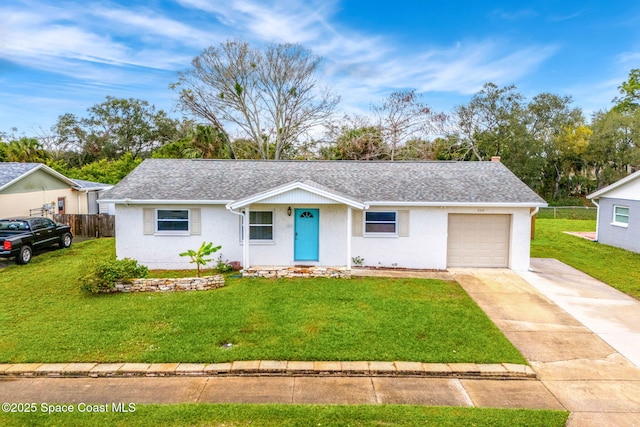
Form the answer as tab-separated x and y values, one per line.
60	56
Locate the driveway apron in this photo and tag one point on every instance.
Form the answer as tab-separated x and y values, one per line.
581	336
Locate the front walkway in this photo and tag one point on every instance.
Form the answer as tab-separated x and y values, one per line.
568	326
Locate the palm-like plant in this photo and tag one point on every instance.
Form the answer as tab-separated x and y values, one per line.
199	257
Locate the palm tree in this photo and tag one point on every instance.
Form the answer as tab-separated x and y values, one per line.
26	150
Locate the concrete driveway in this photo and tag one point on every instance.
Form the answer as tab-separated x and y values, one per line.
581	336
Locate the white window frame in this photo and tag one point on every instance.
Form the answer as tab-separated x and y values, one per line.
616	214
186	232
380	233
272	225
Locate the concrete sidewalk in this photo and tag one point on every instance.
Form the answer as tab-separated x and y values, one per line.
288	390
409	383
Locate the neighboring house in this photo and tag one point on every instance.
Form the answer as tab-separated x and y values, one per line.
427	215
618	221
36	189
93	191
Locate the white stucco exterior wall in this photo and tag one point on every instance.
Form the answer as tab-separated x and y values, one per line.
162	251
425	247
223	228
332	244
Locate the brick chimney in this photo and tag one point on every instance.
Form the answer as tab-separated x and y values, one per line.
495	158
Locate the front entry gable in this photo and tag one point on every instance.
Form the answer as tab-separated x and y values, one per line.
306	192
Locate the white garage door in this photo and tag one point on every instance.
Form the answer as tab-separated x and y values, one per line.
478	240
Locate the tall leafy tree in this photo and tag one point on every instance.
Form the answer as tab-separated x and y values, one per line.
495	123
489	121
614	149
271	95
104	171
630	91
116	127
558	131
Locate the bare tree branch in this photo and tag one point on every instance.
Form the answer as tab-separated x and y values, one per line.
271	96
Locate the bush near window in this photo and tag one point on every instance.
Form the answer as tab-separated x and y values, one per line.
104	276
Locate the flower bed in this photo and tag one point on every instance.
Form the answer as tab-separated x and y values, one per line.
171	285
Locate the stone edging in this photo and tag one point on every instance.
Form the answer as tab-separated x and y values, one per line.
295	272
171	285
272	368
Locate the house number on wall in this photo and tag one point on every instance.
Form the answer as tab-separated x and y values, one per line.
480	210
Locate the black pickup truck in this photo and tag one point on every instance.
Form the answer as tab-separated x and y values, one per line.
20	237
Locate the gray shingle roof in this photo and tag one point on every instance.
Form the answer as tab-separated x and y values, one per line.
413	182
87	185
10	171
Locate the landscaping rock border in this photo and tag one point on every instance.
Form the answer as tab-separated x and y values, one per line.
171	285
296	272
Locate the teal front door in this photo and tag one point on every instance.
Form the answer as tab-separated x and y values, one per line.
307	231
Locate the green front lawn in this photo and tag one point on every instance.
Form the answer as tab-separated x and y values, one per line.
297	415
614	266
45	317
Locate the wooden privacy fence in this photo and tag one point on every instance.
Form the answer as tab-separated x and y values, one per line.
99	225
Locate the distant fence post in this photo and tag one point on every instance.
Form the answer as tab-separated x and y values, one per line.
567	212
98	225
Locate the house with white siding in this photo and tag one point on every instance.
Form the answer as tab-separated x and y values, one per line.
422	215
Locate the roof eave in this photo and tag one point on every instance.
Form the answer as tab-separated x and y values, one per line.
86	189
163	202
460	204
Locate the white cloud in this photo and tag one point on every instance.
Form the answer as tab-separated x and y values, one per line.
373	61
629	59
57	40
110	48
517	15
144	23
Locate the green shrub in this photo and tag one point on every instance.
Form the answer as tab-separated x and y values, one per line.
106	274
223	266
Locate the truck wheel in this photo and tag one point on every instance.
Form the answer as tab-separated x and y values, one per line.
24	256
65	240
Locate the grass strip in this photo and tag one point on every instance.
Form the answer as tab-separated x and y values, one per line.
296	415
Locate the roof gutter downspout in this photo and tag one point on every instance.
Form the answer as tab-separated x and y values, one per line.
245	245
535	211
597	219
